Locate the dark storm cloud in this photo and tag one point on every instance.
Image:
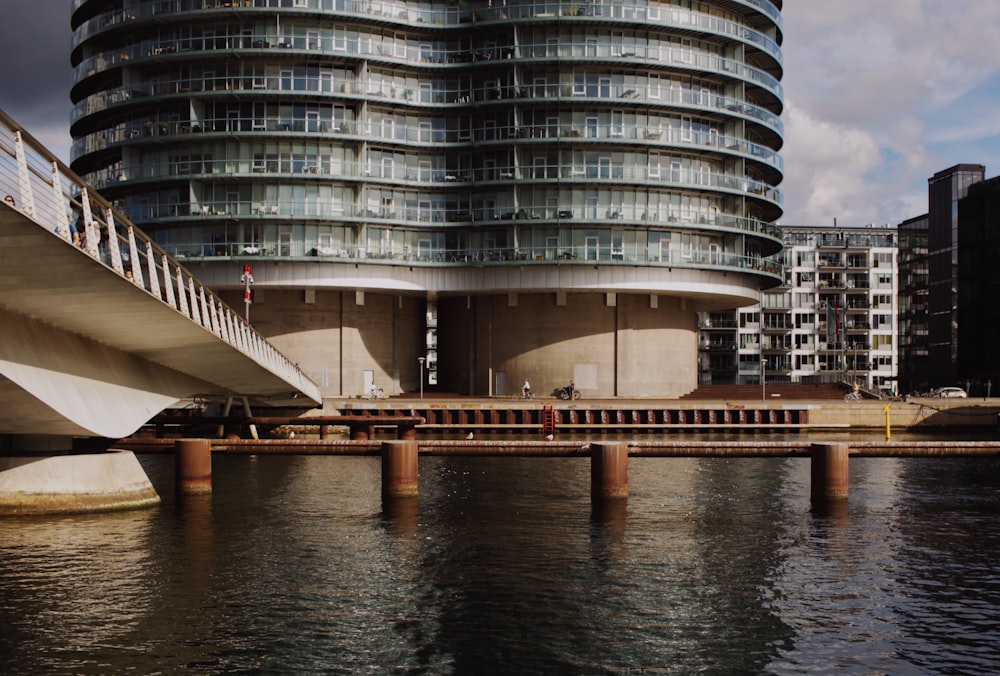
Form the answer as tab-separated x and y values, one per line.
35	67
35	54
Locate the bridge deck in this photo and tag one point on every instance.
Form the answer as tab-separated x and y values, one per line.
110	321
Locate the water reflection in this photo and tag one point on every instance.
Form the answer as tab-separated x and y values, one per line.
504	565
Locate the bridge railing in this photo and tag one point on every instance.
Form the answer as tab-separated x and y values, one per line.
58	200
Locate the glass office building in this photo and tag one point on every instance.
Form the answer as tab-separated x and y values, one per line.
507	190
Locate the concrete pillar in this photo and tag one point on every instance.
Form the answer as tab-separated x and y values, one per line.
399	469
608	470
193	464
829	471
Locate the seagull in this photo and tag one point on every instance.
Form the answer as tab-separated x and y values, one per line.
469	435
549	437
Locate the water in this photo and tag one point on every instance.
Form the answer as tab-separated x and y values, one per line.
715	566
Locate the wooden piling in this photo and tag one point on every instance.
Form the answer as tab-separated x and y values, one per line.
399	469
608	470
193	465
829	474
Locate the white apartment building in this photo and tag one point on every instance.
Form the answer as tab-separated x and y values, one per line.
833	320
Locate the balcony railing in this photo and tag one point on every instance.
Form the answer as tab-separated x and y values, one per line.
400	94
448	14
265	211
329	133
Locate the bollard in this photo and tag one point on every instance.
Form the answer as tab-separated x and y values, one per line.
829	471
193	465
399	469
608	470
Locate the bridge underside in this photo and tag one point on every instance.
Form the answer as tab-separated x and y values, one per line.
57	383
86	352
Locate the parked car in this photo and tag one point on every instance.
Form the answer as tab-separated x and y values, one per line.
950	392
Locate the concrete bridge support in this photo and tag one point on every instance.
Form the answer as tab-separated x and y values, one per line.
65	484
608	470
399	469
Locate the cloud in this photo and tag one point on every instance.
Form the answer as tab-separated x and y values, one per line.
38	75
880	96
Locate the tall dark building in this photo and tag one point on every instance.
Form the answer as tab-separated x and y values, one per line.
979	287
913	312
945	189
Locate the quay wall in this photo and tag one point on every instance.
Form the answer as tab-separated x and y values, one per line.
915	413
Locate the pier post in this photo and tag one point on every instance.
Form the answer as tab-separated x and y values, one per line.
399	469
193	465
608	470
829	471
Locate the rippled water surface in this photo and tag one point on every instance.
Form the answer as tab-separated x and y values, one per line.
720	566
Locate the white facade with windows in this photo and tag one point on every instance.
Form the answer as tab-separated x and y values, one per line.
834	320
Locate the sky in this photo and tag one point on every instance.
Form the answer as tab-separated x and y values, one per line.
879	96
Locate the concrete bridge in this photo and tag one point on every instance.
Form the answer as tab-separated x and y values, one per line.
100	329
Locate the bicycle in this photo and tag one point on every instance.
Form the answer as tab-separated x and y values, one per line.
852	396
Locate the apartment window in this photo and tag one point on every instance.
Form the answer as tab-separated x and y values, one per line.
617	40
881	342
881	321
654	86
654	166
617	123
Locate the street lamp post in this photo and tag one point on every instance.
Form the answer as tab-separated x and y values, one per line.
763	378
421	360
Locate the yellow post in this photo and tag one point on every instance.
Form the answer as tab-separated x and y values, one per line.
888	427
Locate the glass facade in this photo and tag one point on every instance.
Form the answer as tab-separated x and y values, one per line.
459	133
437	132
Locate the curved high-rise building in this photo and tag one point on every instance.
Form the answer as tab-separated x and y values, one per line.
467	192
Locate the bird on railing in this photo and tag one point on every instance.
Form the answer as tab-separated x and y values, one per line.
469	435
